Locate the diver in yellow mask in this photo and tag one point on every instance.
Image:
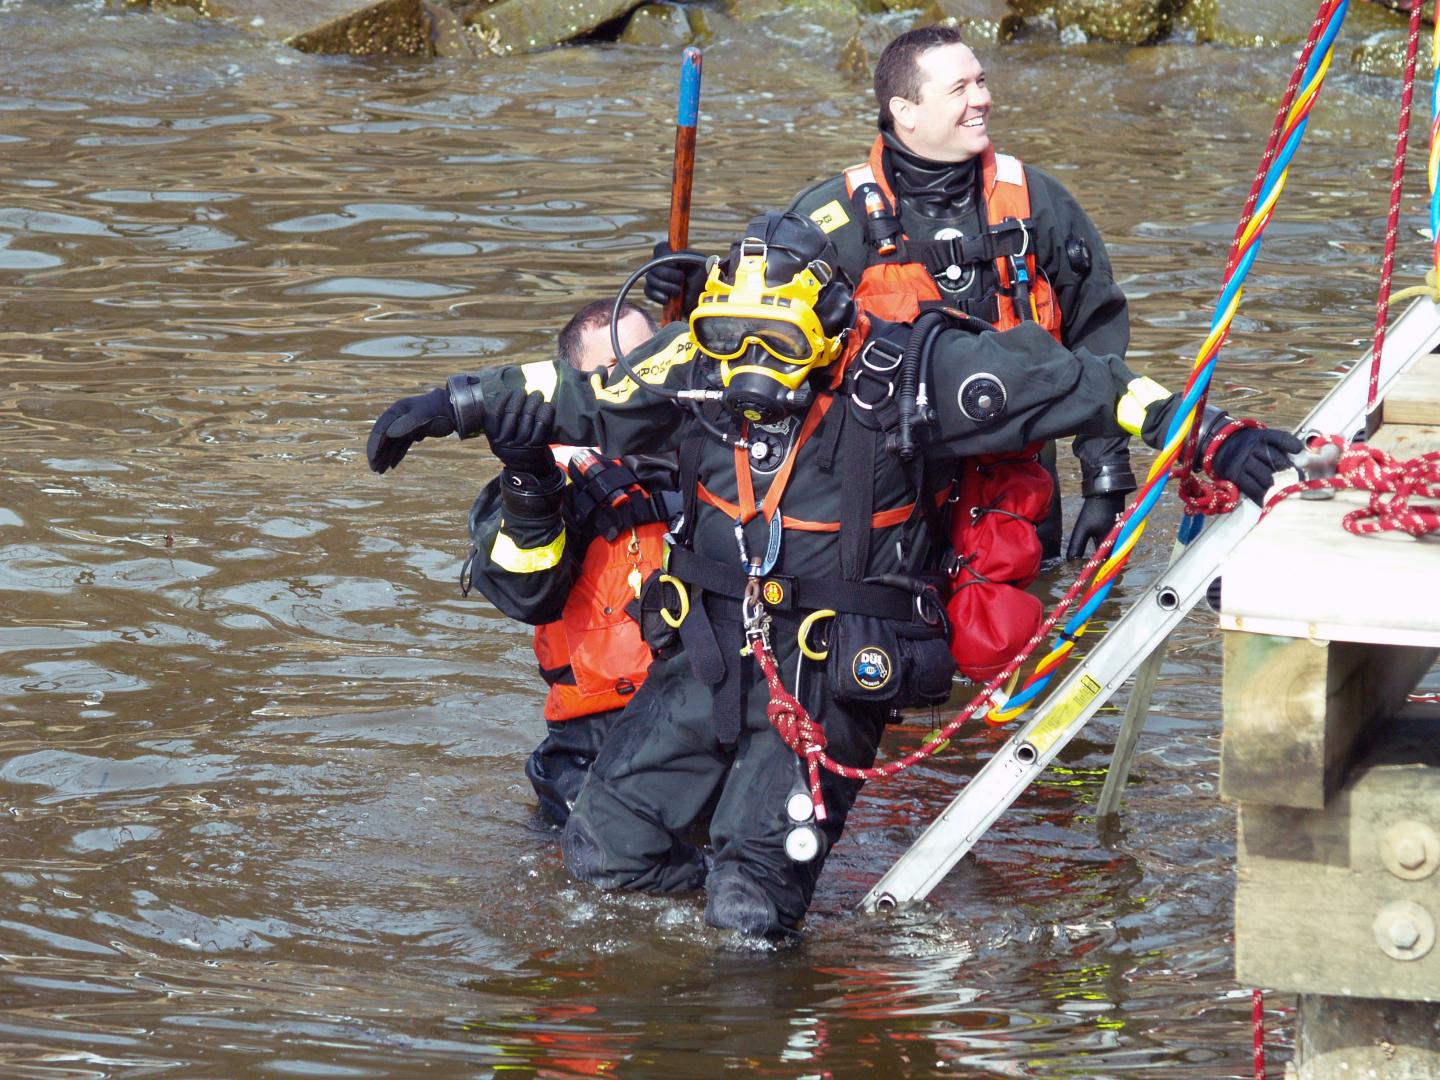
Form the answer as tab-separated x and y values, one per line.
812	443
771	325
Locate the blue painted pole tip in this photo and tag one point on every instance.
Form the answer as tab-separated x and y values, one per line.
687	111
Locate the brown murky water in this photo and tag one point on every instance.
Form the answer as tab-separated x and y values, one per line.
261	764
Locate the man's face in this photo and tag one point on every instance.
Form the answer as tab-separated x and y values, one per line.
950	120
595	352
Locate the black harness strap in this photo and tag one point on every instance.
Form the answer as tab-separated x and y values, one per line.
827	438
688	460
857	499
1008	238
707	659
796	596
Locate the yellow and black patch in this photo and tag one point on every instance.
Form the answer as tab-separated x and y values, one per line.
778	592
653	370
830	216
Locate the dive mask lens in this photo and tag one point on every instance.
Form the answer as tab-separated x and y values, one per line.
725	337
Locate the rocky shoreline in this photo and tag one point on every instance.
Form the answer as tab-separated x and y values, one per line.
476	29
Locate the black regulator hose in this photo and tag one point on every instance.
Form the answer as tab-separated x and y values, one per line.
620	358
726	438
922	331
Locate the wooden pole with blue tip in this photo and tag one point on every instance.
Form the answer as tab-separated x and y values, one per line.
687	114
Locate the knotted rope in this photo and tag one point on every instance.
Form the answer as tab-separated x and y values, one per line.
1391	482
1205	493
793	723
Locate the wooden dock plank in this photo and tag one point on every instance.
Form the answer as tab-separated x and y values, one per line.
1415	398
1407	440
1300	574
1295	710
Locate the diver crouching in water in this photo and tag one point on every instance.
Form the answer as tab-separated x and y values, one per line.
815	445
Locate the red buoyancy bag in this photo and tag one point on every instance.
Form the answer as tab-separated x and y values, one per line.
1002	498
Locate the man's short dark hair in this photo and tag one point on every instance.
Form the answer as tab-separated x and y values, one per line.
897	72
593	316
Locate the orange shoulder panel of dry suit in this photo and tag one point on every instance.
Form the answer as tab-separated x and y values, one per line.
894	290
593	637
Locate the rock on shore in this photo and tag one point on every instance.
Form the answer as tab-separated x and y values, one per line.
857	29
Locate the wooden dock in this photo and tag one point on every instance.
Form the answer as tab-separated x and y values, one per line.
1336	774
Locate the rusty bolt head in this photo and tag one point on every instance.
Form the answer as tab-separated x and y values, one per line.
1410	849
1404	930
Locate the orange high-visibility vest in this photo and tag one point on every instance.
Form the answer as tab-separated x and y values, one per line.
594	639
894	290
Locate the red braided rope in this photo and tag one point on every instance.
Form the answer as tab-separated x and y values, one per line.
1208	494
1391	482
1257	1032
799	732
793	723
1361	468
1392	221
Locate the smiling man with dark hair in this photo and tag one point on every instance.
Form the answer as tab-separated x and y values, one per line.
935	217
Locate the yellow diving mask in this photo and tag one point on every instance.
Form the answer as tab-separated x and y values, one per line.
780	319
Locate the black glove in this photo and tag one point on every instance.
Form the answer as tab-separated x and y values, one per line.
664	283
1093	523
518	427
424	416
1251	457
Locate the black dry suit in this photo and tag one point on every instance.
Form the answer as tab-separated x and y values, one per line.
936	201
853	538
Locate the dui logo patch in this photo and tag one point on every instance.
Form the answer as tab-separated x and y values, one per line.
871	667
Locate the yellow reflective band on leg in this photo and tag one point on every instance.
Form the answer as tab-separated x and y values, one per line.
518	560
1139	396
540	375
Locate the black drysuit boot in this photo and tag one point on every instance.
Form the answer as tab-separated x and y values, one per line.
558	766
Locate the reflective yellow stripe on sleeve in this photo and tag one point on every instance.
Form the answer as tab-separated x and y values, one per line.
540	375
518	560
653	369
1139	396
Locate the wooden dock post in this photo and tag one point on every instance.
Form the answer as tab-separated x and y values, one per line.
1336	776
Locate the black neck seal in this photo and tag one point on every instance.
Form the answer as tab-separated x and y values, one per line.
933	188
